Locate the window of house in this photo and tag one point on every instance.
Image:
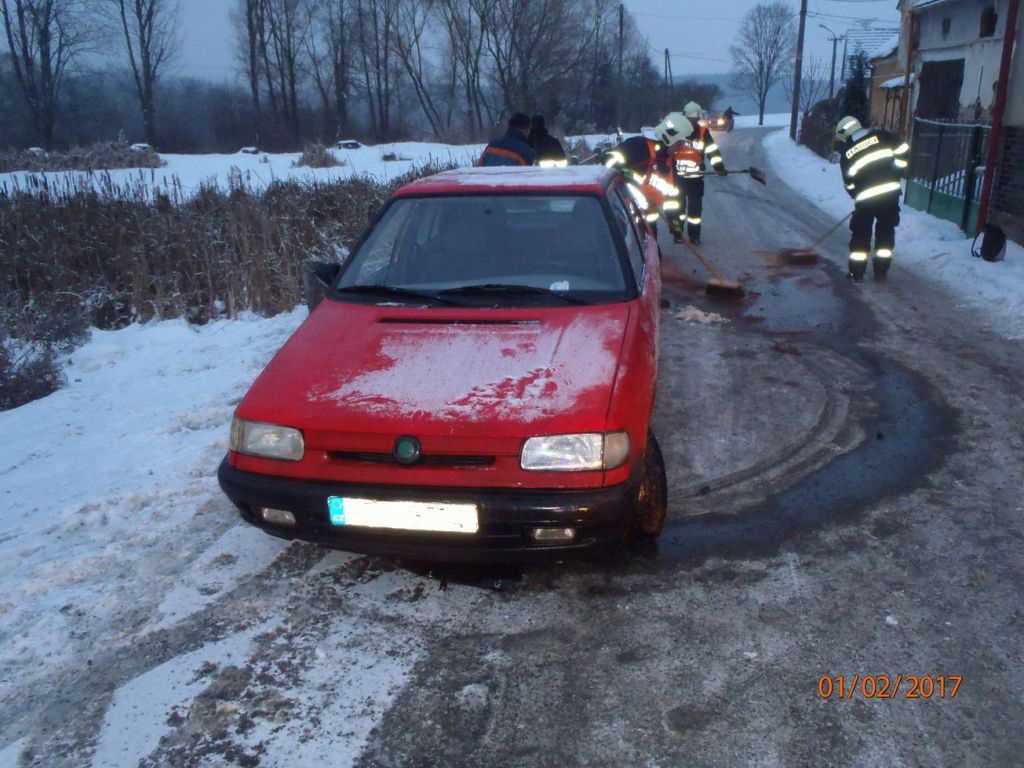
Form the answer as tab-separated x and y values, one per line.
946	22
989	17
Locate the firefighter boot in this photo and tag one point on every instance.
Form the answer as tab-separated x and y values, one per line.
880	262
857	266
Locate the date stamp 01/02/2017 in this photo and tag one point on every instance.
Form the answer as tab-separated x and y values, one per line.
889	687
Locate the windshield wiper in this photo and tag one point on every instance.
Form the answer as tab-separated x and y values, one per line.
512	290
391	290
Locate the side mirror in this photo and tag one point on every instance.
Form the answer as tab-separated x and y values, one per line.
317	278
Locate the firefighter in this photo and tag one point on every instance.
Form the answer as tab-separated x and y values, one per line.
549	150
648	162
510	149
691	178
872	162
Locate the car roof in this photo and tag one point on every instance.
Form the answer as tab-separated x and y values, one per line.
588	179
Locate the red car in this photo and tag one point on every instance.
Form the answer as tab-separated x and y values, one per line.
477	384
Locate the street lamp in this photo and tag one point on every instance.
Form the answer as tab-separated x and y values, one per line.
832	76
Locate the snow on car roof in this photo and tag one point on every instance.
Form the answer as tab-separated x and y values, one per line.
577	178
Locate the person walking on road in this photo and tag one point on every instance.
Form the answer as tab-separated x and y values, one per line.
872	162
512	148
549	151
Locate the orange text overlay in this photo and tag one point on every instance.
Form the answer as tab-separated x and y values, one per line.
886	687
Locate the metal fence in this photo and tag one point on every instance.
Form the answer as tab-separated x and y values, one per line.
947	169
1007	205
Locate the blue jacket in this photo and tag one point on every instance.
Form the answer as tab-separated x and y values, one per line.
510	149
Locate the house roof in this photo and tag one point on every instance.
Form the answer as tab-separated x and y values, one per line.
886	48
896	82
870	40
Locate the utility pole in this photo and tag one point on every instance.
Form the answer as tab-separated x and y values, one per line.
832	74
998	109
619	84
798	70
668	82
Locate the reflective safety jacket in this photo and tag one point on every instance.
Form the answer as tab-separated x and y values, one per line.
648	164
549	150
702	140
687	161
872	162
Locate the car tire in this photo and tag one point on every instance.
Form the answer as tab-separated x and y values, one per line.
651	506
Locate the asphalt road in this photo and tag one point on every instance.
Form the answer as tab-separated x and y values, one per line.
839	583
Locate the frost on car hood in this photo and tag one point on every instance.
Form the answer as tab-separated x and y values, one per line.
380	365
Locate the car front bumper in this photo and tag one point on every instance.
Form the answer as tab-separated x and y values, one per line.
506	517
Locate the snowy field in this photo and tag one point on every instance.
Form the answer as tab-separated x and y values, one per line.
113	529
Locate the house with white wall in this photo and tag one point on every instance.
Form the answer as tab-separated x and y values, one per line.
954	49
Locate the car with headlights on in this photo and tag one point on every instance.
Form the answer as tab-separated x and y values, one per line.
477	383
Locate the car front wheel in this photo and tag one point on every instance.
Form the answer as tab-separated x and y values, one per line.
651	505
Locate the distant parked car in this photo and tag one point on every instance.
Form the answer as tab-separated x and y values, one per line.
478	382
349	144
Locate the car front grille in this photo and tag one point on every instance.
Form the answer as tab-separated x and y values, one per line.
425	461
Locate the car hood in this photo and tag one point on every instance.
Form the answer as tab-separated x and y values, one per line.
353	367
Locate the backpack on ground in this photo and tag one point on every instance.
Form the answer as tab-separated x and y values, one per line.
993	243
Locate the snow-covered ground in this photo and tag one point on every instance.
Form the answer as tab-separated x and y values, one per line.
113	528
185	174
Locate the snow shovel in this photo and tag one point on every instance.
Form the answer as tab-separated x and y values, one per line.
810	253
716	285
755	173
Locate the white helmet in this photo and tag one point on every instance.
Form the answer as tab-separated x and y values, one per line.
675	127
692	110
846	127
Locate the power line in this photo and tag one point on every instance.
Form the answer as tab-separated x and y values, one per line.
687	18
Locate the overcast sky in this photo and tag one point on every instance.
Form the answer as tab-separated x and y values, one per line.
698	35
698	41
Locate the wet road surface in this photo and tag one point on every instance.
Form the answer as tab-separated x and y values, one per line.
844	469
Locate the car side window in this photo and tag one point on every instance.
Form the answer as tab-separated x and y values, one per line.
624	218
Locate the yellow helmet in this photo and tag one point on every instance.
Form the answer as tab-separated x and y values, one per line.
692	110
846	127
674	128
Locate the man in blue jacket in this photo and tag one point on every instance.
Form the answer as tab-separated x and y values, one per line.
512	148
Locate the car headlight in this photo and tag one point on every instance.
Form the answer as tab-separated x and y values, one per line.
573	453
270	441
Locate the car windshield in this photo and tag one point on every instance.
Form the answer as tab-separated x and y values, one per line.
490	249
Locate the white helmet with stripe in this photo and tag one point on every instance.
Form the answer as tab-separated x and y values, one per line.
846	127
692	110
674	128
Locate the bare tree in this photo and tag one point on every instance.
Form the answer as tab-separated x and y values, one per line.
765	42
150	36
250	25
44	37
465	49
378	63
287	25
533	46
411	21
813	84
329	61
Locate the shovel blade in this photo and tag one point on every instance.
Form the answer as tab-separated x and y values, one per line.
757	175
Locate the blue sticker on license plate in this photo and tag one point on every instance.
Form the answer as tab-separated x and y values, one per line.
336	509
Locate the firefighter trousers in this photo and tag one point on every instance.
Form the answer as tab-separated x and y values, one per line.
692	208
882	216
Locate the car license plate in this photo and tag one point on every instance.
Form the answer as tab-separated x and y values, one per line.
403	515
